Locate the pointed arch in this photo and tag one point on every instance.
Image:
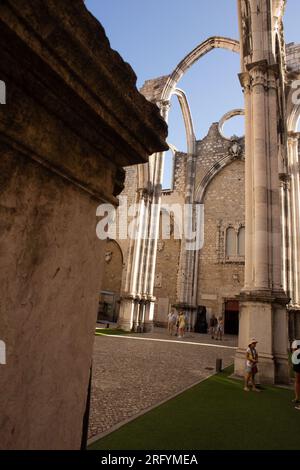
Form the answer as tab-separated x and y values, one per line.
215	42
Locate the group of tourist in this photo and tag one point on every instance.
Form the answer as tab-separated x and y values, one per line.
176	323
251	368
177	326
216	327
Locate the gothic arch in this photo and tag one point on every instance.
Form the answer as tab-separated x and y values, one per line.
196	54
117	245
188	121
210	175
293	114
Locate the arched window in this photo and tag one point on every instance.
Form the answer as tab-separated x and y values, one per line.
230	242
241	242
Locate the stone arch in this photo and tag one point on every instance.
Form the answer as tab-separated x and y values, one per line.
293	112
210	175
227	117
188	121
196	54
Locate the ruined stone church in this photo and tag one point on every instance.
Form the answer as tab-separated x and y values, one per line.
247	270
76	134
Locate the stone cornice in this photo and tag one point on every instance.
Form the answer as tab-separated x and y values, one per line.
259	74
56	53
263	296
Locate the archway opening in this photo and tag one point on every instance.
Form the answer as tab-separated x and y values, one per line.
234	127
109	296
212	88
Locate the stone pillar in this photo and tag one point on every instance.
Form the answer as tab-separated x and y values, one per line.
294	228
263	312
249	270
188	262
137	303
129	316
73	119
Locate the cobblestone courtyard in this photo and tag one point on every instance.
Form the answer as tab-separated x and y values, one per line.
132	374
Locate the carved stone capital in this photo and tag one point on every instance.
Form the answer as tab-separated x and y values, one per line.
245	81
258	74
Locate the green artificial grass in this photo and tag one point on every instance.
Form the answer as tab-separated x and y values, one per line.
110	331
214	415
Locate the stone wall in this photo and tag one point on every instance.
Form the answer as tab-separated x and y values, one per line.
224	205
112	262
165	287
50	279
293	57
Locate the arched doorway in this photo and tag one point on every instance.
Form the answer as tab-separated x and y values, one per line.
109	296
231	317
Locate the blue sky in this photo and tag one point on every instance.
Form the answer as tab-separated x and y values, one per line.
153	36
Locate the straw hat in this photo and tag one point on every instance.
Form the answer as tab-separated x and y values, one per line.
252	340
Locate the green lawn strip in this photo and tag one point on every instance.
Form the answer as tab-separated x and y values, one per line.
110	331
214	415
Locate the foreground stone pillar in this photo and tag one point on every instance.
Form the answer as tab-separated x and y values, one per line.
73	119
263	312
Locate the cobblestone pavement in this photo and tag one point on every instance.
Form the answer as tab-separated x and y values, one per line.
131	375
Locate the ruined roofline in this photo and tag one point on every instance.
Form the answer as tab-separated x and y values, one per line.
292	52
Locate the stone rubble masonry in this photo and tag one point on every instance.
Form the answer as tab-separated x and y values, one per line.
210	150
293	57
180	172
152	89
224	205
73	119
112	267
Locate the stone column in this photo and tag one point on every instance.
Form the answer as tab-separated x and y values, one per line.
137	304
249	273
263	312
129	315
187	272
294	227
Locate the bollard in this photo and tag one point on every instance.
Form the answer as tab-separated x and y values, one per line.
107	325
218	365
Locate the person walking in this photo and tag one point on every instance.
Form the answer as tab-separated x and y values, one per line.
181	325
296	369
251	366
220	329
212	325
172	319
